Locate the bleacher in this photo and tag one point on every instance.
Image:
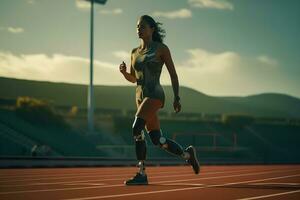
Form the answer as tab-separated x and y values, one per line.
215	142
62	142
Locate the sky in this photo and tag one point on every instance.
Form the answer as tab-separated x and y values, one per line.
219	47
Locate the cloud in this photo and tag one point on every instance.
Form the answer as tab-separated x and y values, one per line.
182	13
226	73
223	73
86	6
83	5
123	55
30	1
214	4
267	60
14	30
207	61
116	11
58	68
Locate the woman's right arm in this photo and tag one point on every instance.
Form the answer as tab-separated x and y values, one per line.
128	76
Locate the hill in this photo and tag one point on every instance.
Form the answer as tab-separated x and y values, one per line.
122	97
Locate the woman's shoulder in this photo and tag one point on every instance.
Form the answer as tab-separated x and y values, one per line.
162	47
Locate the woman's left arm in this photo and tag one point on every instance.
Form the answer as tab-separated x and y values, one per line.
167	59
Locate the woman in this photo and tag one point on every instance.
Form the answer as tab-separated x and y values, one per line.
145	69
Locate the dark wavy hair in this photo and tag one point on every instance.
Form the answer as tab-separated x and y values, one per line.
159	33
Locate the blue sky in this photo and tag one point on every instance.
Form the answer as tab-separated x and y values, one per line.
220	47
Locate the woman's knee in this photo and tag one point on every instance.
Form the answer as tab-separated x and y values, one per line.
155	136
158	139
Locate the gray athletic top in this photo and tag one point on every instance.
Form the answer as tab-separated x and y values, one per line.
147	69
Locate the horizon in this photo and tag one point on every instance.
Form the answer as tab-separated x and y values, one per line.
222	48
187	87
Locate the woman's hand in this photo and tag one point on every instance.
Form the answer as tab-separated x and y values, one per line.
122	67
177	106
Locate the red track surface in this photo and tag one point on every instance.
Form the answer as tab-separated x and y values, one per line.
213	182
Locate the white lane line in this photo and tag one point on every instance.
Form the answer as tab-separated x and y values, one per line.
226	176
100	178
83	171
159	182
178	189
63	177
91	180
2	178
88	174
275	183
151	177
85	184
183	184
270	195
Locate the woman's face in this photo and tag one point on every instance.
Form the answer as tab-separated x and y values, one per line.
143	29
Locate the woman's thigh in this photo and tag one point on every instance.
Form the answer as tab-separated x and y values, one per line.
153	123
148	111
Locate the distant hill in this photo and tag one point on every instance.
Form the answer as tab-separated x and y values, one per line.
122	97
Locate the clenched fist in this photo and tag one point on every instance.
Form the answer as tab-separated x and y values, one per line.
177	106
122	67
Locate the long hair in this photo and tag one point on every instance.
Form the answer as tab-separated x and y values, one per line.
159	33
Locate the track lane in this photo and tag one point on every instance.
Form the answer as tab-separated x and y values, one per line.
96	191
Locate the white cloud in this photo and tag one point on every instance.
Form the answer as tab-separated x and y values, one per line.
116	11
215	4
14	30
224	73
182	13
123	55
58	68
30	1
86	6
83	5
210	62
267	60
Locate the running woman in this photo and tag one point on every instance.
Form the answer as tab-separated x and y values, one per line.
147	61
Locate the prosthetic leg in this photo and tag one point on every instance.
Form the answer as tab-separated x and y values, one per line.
140	149
189	154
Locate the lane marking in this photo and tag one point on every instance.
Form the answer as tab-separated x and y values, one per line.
179	189
62	177
38	172
2	177
275	183
91	180
173	181
70	174
185	184
270	195
85	184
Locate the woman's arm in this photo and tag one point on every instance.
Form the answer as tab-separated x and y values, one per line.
167	58
128	76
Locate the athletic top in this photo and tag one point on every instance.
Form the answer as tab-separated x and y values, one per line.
147	69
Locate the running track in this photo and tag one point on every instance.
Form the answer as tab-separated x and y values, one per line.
178	182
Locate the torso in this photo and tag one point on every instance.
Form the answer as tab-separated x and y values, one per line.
147	65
